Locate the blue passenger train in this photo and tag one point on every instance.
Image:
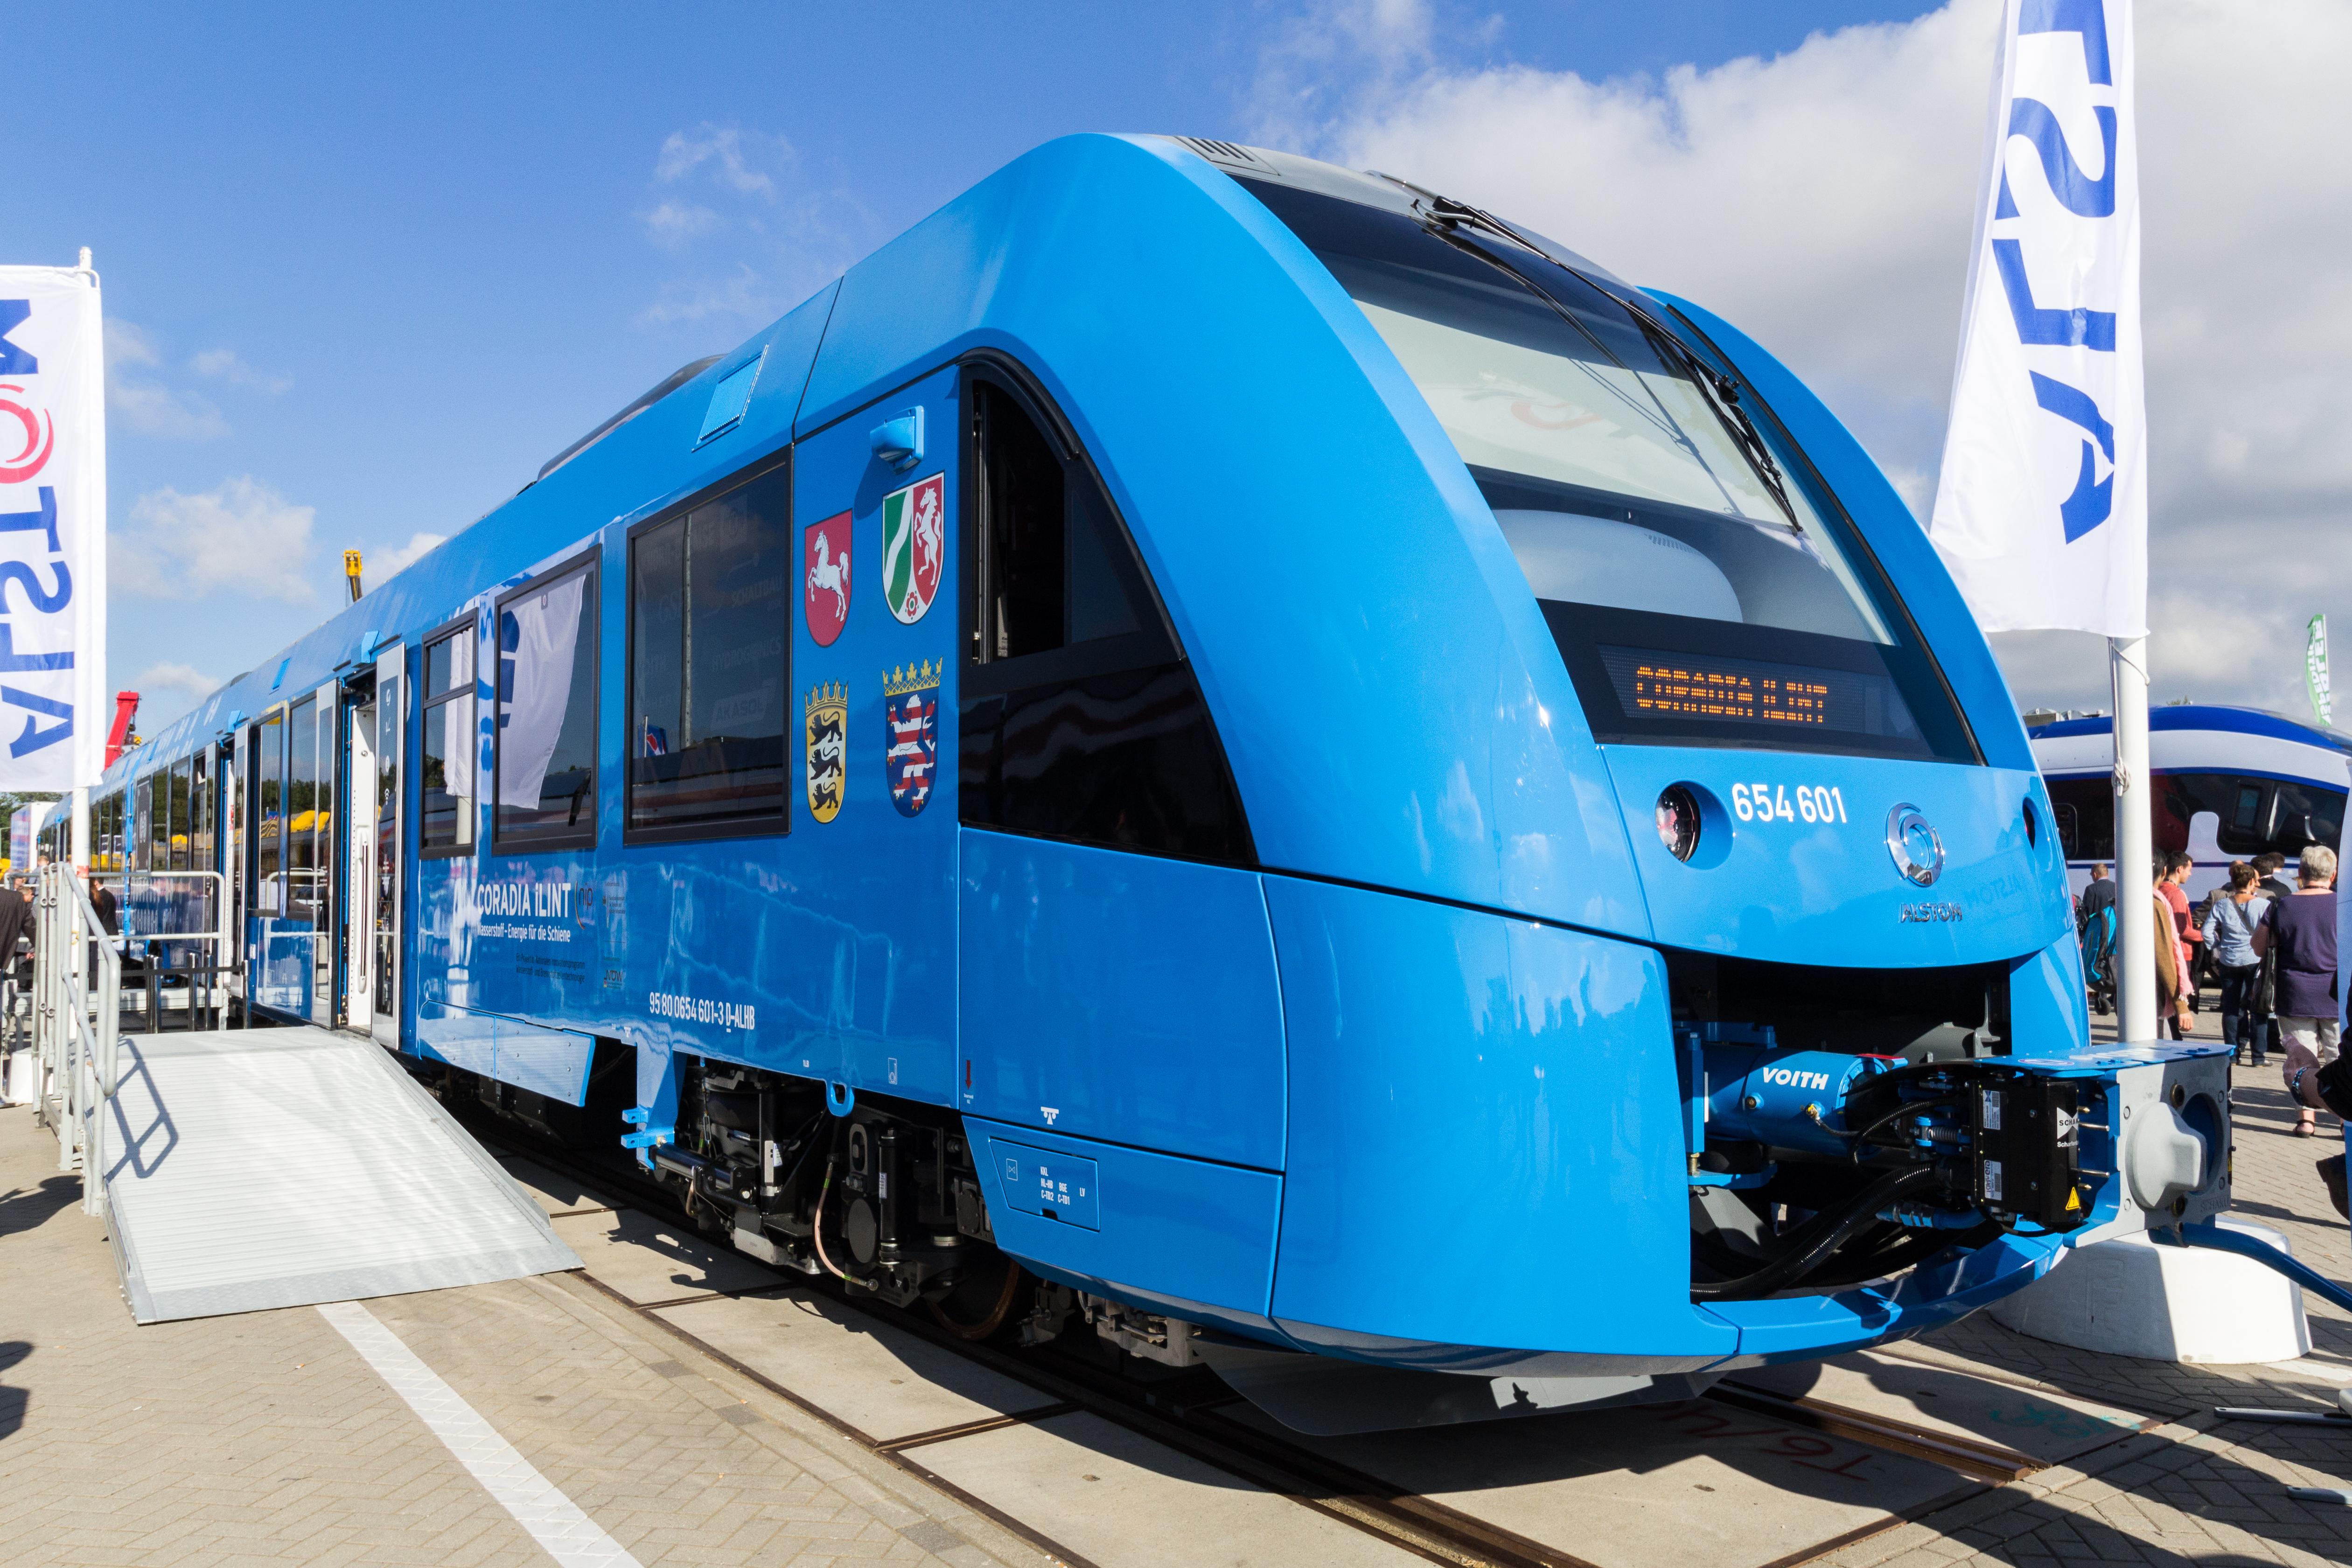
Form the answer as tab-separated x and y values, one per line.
1242	755
2231	783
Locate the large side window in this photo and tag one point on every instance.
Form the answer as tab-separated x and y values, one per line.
108	828
143	818
710	593
269	815
2256	814
445	756
1080	717
183	828
2087	817
200	812
546	754
304	807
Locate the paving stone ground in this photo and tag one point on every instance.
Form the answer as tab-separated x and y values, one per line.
2196	1490
264	1438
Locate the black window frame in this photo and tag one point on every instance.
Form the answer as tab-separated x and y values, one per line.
469	623
1155	650
984	675
633	832
590	561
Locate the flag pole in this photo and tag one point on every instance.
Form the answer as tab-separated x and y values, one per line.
79	858
2135	933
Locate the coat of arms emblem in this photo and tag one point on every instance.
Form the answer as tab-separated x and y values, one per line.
910	716
824	578
826	713
914	546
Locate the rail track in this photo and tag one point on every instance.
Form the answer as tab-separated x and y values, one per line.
1191	1412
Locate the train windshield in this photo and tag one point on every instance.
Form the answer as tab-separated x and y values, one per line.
1698	588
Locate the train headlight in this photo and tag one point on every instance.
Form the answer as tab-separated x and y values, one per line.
1678	821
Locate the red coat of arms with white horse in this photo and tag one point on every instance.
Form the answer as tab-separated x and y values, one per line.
824	578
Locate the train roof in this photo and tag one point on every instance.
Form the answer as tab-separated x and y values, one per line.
1027	264
2207	716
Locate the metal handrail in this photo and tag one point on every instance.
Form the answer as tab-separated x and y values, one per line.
78	1058
196	973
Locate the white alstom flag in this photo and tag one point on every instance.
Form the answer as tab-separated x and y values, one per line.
2042	510
53	709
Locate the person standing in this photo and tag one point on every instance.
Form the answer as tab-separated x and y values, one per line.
2168	955
15	921
2100	895
2176	867
2302	929
2229	931
2271	867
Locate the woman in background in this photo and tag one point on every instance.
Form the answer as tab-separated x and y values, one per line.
2228	931
2303	931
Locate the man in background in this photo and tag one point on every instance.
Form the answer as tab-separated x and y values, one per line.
2100	895
2271	867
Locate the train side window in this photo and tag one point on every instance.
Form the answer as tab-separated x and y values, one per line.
143	821
545	759
710	598
2247	816
184	835
2070	830
2303	815
2089	806
1073	671
269	814
200	812
304	865
446	763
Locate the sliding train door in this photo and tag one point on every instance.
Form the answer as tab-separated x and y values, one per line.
356	874
383	951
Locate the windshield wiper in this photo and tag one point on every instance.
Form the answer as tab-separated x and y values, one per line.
1721	392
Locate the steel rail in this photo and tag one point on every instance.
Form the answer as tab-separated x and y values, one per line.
1196	1426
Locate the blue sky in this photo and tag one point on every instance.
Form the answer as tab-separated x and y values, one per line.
381	264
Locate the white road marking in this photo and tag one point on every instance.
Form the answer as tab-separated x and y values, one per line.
570	1536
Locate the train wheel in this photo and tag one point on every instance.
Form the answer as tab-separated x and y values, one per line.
981	1301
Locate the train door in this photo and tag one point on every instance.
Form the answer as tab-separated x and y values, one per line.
383	865
312	773
236	760
355	875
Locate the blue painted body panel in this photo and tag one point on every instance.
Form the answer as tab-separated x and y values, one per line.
1082	998
1187	1236
1479	1089
1825	892
1407	1090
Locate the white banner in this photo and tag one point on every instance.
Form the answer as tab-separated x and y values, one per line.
538	636
2314	669
54	712
2042	510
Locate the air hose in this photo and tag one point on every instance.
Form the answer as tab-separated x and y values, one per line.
1821	1236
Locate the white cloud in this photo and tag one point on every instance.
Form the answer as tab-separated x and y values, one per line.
728	154
672	223
144	403
1821	200
381	568
224	365
190	684
127	343
241	535
745	294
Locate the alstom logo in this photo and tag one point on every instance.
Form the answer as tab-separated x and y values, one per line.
1790	1078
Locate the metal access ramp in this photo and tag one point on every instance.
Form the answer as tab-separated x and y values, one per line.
276	1167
